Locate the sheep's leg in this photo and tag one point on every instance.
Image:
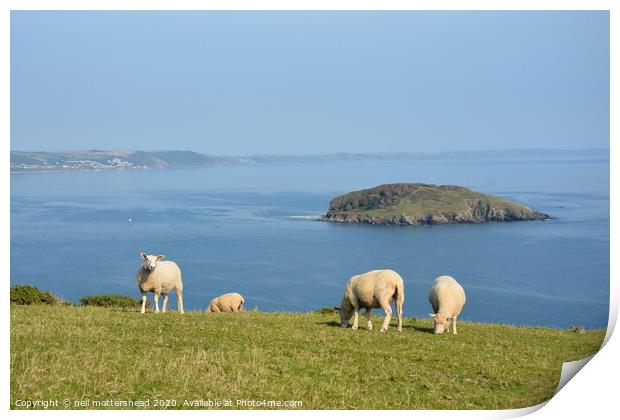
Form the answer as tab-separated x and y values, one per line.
143	303
368	322
399	312
388	315
356	315
180	300
165	302
156	300
454	325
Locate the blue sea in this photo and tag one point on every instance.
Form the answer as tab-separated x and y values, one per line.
245	229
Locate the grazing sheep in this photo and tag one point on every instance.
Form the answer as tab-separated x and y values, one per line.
159	277
375	289
447	298
230	302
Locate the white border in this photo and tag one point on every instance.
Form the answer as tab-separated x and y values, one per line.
593	393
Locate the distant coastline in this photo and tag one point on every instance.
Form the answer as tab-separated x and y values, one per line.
100	160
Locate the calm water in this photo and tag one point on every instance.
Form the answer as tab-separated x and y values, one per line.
233	229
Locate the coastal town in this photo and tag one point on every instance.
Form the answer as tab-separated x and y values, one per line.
78	164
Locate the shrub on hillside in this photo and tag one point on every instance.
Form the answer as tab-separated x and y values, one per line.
30	295
326	311
111	301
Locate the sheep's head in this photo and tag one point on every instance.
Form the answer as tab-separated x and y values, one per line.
441	322
149	262
346	312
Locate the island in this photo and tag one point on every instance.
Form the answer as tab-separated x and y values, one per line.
425	204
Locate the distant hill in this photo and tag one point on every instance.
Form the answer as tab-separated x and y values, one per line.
114	160
110	160
425	204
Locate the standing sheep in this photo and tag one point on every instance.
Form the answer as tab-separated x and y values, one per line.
374	289
159	277
230	302
447	298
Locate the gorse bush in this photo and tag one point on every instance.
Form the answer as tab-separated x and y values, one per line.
30	295
115	301
326	311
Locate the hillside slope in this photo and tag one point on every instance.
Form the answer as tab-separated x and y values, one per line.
107	160
88	353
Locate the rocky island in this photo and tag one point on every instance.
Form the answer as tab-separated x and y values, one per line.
425	204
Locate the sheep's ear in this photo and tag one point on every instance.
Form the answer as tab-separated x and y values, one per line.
160	257
143	255
336	308
432	315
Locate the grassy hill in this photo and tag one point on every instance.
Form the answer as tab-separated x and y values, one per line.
106	160
415	204
91	353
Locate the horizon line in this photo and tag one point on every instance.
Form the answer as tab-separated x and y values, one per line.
322	154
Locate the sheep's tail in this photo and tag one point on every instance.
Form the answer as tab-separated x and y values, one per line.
399	294
399	299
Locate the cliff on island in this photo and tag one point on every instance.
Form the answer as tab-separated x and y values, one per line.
425	204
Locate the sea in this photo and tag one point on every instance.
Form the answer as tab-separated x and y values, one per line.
252	229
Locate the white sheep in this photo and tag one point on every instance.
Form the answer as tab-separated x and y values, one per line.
159	277
374	289
447	298
229	302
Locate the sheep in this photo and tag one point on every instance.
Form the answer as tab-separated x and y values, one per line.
447	298
229	302
374	289
159	277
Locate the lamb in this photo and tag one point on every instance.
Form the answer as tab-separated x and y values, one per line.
447	298
159	277
229	302
374	289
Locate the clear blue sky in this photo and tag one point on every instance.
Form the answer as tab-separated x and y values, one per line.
309	82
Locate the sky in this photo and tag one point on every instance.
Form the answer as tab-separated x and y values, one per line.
234	83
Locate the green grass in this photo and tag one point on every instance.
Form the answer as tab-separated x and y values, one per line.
421	201
430	200
111	301
80	353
